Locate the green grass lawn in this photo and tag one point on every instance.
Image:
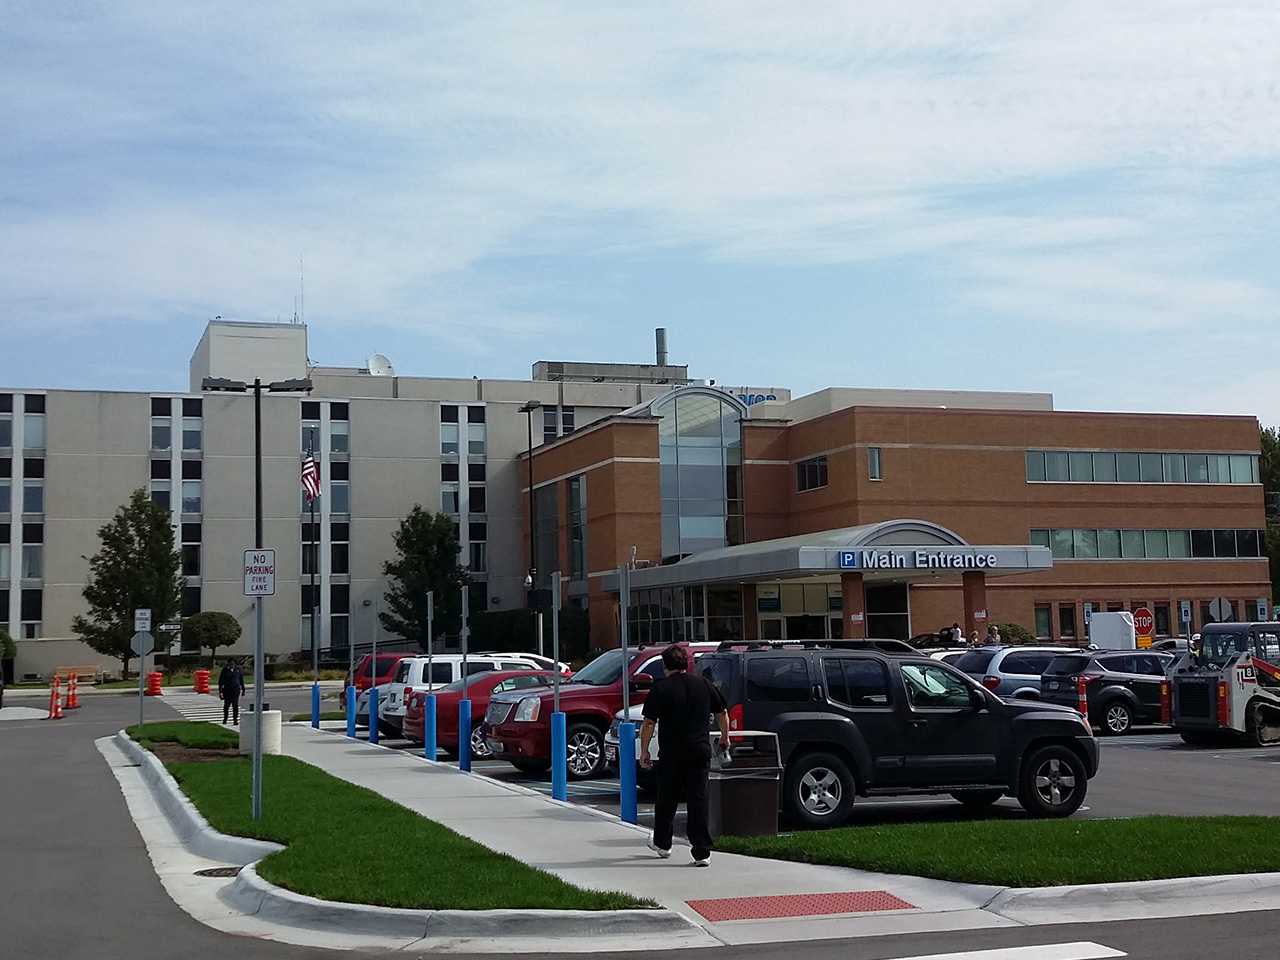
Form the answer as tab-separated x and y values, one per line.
1038	853
189	733
306	717
347	843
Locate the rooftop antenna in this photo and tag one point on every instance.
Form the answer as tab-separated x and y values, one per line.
295	309
302	292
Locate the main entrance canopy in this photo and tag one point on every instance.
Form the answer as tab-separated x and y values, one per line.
897	551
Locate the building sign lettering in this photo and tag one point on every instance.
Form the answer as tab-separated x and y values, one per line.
917	559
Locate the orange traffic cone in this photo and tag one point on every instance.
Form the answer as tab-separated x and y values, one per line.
55	701
73	696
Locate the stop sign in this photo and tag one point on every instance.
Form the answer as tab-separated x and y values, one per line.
1144	624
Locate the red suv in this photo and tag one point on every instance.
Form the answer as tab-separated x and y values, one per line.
518	723
386	668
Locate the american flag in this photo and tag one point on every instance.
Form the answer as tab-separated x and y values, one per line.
310	478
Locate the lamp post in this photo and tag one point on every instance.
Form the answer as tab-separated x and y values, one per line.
531	578
239	386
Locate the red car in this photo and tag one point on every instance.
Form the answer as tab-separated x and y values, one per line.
386	667
479	688
517	724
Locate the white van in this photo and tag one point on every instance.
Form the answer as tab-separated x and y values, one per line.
411	677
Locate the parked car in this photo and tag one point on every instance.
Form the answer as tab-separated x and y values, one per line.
612	742
363	681
1121	687
518	723
543	663
479	689
947	654
1175	645
1010	671
411	675
864	722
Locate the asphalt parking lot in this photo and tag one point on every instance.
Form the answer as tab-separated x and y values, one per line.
1150	771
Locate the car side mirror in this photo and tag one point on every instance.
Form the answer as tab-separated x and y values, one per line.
641	681
977	699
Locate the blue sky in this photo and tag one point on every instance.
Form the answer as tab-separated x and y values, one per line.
1080	198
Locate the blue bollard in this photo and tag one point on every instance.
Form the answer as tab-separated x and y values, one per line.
352	693
429	726
559	758
373	715
315	706
464	735
627	771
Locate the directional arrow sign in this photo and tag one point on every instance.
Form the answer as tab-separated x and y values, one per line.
142	643
173	626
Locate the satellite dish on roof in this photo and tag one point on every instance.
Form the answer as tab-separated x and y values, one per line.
380	366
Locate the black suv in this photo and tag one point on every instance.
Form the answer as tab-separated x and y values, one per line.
855	719
1122	687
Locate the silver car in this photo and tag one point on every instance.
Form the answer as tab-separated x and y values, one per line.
1010	671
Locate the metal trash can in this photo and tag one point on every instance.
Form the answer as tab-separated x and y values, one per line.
744	793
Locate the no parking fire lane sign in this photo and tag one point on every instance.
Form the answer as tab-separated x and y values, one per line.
259	573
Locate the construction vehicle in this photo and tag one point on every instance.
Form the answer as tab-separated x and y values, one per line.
1227	686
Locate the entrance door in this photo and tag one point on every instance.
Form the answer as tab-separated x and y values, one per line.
806	627
888	611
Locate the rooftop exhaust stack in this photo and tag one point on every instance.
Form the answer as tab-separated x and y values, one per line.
660	336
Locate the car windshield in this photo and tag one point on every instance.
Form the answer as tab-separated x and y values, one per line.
1224	646
1066	665
602	671
975	661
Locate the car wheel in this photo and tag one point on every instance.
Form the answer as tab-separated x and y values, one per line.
978	798
819	790
585	748
1117	718
531	766
1052	782
479	745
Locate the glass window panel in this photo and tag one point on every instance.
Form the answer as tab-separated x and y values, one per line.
1247	544
1197	468
6	552
5	486
1162	619
339	434
1224	543
1241	469
873	461
192	430
33	496
161	494
1151	467
1157	543
1055	466
1066	620
1109	544
475	499
32	561
1202	543
1133	545
1253	469
778	679
1081	465
340	558
475	438
1035	465
1085	544
191	496
191	560
1062	544
699	482
702	528
1219	468
340	497
1175	468
1040	538
33	431
1104	468
160	433
6	430
1044	618
1127	470
449	436
311	436
1179	543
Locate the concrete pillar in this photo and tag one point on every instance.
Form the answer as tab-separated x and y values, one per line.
750	613
853	606
974	583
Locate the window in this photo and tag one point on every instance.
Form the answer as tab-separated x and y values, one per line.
1080	467
931	685
479	560
475	499
339	428
856	682
873	463
1109	544
1056	468
475	437
1161	612
475	472
1044	621
339	496
549	421
811	474
161	430
6	553
449	438
162	494
1085	544
340	598
566	420
6	488
1035	465
1248	543
339	558
1156	543
1150	468
161	469
1133	544
191	500
32	561
778	679
1202	543
1104	468
1224	543
448	498
191	559
1179	543
31	613
310	436
577	527
190	600
6	422
1061	543
192	470
33	496
1127	469
1066	620
1175	468
33	422
192	433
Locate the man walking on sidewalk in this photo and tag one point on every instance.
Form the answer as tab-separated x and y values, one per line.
230	688
681	705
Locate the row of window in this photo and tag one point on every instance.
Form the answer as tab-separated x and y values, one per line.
32	485
1161	611
32	421
31	552
1062	466
811	474
550	416
30	612
1088	544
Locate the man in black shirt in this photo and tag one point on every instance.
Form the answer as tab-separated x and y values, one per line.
681	705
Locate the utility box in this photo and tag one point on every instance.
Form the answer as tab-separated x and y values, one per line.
1113	631
744	792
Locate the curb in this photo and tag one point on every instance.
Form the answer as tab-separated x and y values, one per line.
190	826
252	895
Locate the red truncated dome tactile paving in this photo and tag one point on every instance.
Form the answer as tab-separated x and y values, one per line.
798	905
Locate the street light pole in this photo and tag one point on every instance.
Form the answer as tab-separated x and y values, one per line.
531	579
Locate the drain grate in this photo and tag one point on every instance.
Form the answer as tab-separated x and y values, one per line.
218	872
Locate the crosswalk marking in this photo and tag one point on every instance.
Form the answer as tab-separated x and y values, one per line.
194	706
1078	950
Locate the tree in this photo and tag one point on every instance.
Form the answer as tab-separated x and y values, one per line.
212	629
137	567
426	559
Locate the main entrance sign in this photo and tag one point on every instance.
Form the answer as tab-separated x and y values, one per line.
917	560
